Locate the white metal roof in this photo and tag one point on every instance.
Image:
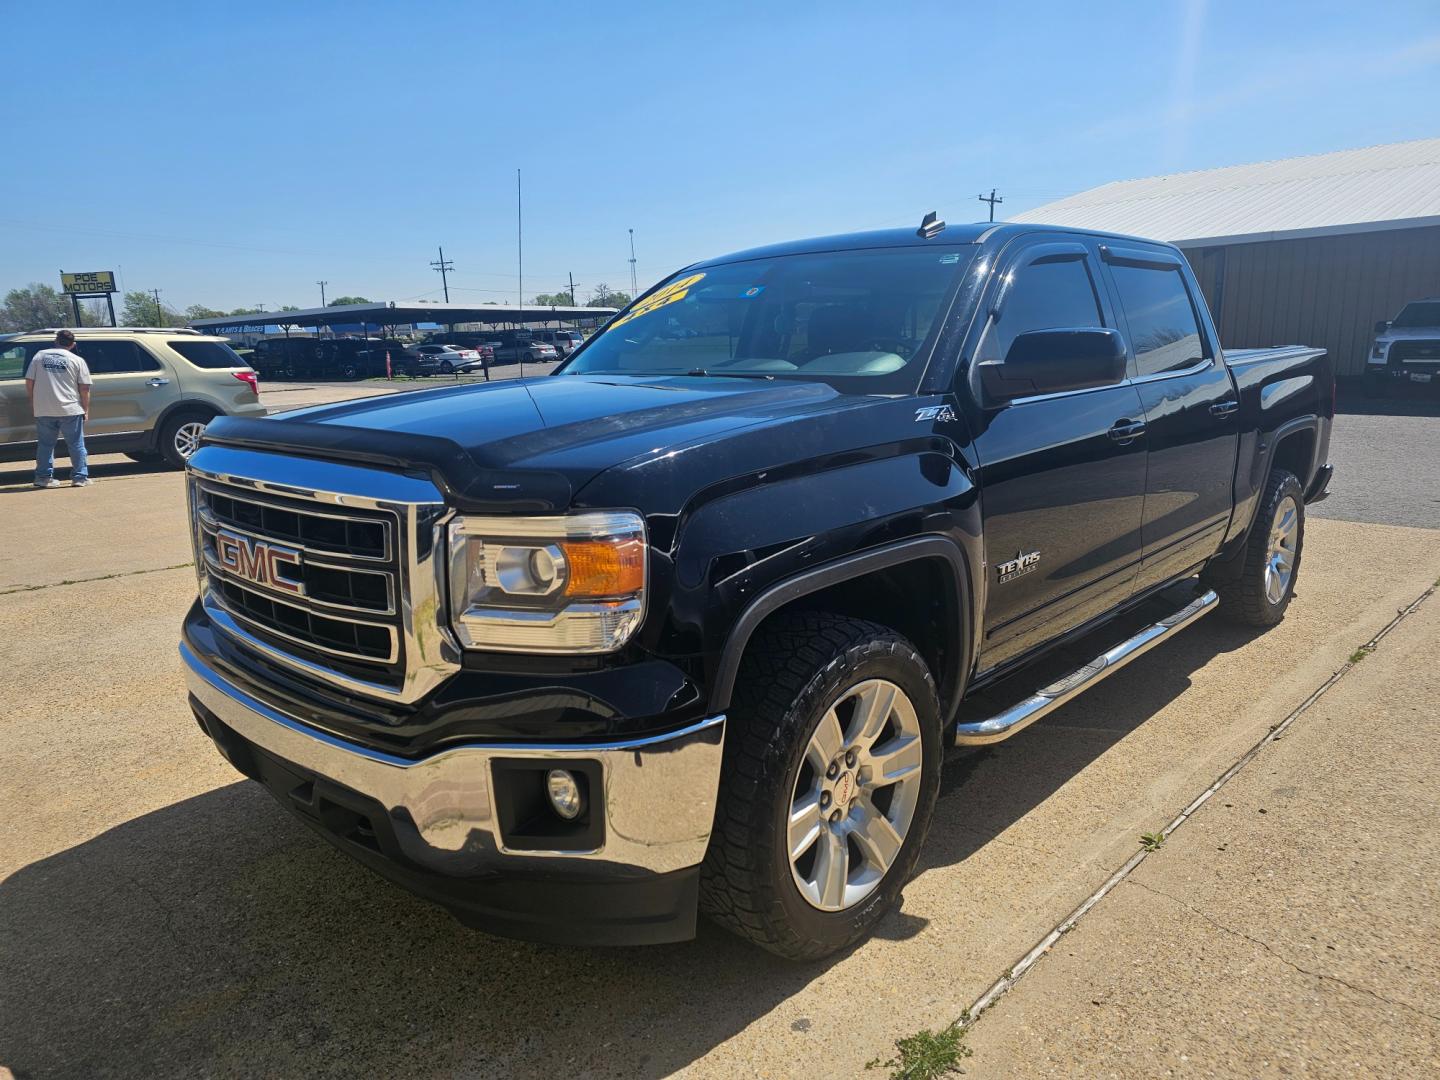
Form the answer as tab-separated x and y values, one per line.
1379	187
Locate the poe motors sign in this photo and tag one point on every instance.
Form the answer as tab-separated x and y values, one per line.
90	283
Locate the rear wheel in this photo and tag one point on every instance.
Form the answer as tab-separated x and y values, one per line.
180	437
832	765
349	371
1260	587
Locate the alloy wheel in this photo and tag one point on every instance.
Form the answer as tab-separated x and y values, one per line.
1280	557
187	437
855	795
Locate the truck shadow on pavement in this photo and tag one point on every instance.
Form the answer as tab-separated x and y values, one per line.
218	935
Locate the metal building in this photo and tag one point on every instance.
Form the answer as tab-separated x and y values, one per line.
1311	250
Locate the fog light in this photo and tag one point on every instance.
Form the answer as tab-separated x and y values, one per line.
564	791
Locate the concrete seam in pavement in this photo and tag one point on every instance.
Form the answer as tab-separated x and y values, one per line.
101	577
1013	974
1212	921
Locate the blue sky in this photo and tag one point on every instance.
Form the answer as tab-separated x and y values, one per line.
232	155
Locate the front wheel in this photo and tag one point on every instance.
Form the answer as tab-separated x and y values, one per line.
832	765
1259	590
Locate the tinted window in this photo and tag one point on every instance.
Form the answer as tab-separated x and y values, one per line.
1048	296
1426	313
115	357
14	359
208	354
1163	329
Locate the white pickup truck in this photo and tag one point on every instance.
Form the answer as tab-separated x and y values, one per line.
1407	348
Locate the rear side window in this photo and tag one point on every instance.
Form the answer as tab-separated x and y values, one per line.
1048	295
1163	329
14	359
208	354
115	357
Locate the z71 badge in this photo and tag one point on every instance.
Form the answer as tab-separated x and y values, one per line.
1019	566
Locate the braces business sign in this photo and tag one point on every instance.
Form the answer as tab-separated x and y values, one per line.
92	283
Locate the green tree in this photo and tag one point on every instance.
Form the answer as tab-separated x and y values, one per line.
604	296
34	307
139	310
244	311
557	299
341	301
289	307
200	311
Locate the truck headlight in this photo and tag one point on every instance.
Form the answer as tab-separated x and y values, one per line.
572	584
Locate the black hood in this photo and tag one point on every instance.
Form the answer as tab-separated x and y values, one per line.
527	445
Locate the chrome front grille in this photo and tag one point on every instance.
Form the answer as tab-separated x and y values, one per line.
332	570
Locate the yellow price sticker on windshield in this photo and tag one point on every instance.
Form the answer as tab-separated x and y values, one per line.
670	294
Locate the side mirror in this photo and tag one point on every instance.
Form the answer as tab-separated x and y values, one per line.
1052	361
1381	326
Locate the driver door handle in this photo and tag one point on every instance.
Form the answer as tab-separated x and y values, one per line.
1224	408
157	382
1127	430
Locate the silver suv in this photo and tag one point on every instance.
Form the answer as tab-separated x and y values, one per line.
154	390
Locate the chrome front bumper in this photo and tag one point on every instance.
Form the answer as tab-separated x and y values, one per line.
658	792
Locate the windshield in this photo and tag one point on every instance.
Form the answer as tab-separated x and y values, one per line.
861	318
1423	314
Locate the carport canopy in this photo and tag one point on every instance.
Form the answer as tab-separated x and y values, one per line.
396	313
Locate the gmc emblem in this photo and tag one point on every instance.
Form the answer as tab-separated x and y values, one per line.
257	561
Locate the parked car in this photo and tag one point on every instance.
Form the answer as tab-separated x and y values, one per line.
438	359
154	390
1407	347
289	358
685	626
564	341
480	341
521	346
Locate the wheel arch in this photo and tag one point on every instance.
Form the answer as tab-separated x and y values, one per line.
850	586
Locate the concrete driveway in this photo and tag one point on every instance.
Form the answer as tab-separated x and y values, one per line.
159	917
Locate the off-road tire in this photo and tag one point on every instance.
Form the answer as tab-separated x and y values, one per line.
1241	585
793	669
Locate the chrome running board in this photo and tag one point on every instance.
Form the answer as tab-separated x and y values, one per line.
1050	698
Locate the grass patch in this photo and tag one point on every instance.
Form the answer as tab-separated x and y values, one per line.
927	1054
1152	841
1360	653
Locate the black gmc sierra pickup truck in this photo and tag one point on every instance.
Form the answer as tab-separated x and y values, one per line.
685	626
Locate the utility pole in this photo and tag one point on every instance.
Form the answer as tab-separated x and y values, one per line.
444	266
633	285
572	291
322	285
992	199
159	314
519	266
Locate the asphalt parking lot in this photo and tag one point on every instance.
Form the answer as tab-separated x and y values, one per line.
160	917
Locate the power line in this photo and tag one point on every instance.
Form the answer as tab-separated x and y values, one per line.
444	266
992	199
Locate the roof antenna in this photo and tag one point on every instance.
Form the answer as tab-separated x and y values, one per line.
930	226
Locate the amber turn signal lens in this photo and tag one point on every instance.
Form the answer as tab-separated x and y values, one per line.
604	567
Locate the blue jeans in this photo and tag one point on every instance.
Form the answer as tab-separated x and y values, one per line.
50	428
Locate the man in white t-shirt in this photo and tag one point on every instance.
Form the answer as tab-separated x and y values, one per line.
58	382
